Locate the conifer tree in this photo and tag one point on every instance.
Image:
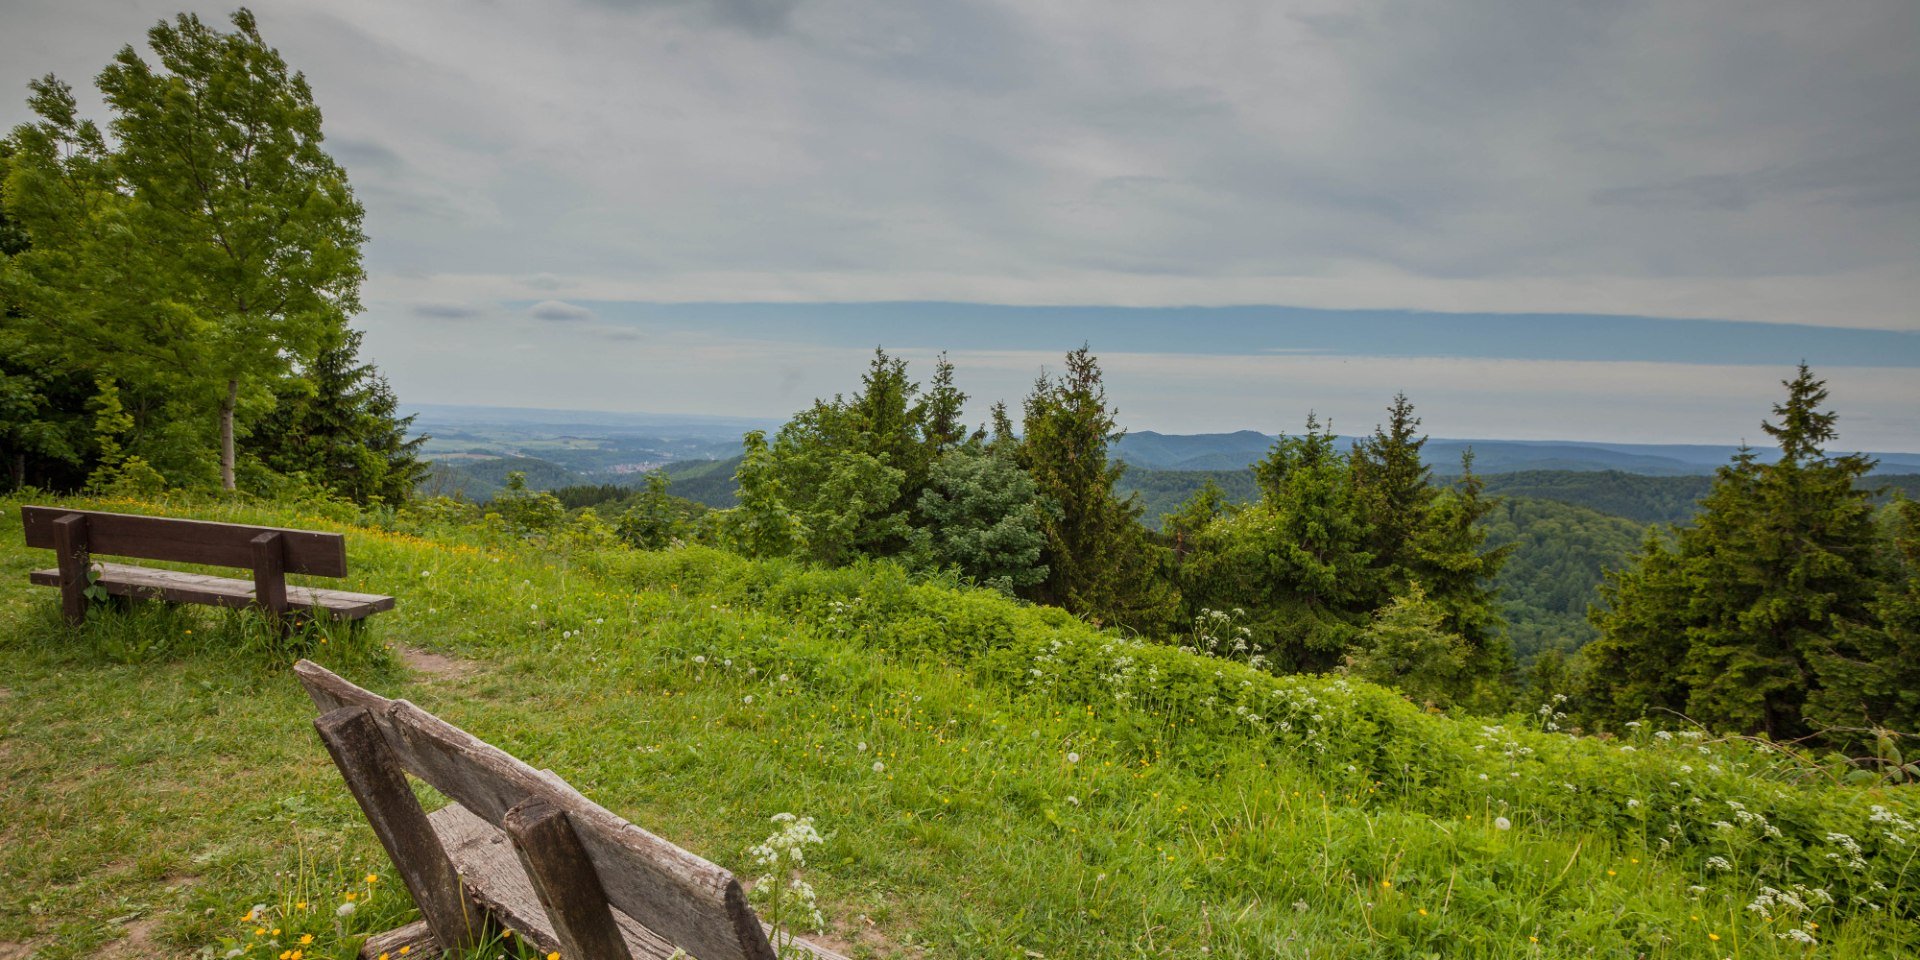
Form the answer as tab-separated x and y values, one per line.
339	426
1395	489
1869	672
1450	562
982	515
1296	561
1731	625
1099	559
1777	571
941	426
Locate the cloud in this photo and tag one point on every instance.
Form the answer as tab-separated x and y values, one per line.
1734	159
1745	159
444	311
559	310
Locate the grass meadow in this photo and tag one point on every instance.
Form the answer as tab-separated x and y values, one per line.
991	780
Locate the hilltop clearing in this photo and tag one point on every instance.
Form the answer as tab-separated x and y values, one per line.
994	779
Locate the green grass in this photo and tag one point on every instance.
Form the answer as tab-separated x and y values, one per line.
1043	788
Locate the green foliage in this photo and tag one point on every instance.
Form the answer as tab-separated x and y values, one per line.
1110	797
1459	573
1782	562
1394	491
211	243
981	515
1641	499
524	512
1209	503
762	525
338	425
1560	554
1161	492
1296	561
1408	647
1100	562
1868	670
655	519
1336	540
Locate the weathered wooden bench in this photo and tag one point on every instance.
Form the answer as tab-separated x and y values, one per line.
519	849
76	536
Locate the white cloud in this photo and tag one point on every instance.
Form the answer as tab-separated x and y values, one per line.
559	310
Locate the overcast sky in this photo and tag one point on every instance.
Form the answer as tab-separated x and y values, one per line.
643	205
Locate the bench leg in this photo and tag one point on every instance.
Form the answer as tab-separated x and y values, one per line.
70	543
377	782
270	578
564	880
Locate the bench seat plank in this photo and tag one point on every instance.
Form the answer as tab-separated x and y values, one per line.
173	586
494	877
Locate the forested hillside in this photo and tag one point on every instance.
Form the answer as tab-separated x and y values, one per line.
1560	556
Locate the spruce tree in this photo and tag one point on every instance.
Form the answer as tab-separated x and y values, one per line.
339	426
941	426
1395	489
1779	566
1732	626
1099	559
1450	561
1296	561
1869	671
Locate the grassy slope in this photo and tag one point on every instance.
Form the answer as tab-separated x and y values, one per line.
172	790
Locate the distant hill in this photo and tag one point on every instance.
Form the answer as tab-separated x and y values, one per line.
705	481
1232	451
481	479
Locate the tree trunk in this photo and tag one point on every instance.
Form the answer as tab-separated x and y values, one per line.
19	469
226	434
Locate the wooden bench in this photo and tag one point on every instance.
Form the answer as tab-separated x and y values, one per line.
519	849
76	536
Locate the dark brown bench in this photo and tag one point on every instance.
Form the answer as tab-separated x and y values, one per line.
519	849
76	536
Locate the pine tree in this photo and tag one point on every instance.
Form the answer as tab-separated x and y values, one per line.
1296	561
1450	561
941	425
1781	564
1778	572
339	426
1099	560
1869	674
1408	647
1631	668
1395	490
981	515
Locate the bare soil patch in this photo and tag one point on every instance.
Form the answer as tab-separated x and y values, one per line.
436	665
140	941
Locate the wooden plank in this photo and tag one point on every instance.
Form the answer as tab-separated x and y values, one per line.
270	572
378	784
686	899
70	548
564	880
190	541
485	858
416	937
174	586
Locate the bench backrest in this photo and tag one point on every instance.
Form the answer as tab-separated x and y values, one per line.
189	541
687	900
